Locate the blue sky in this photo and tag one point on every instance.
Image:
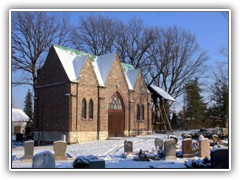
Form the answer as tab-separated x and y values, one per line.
210	29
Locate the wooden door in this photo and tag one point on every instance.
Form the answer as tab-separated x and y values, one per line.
115	123
115	116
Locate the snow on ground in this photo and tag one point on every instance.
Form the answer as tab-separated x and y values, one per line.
109	150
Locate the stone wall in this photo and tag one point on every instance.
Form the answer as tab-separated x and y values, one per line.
51	111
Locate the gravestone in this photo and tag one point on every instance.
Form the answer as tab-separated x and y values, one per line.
220	158
204	148
186	136
28	150
187	149
225	131
170	149
200	137
175	138
60	148
128	146
158	144
43	159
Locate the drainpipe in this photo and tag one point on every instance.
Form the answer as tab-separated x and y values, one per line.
147	114
98	113
77	107
129	115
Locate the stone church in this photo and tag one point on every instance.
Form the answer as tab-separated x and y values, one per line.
87	97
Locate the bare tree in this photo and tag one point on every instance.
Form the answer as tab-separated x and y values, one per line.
94	35
133	42
167	57
33	33
176	59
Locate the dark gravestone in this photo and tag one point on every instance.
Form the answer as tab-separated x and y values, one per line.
19	137
128	146
158	143
187	149
219	158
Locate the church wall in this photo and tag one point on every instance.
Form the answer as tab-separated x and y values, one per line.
115	82
140	96
84	129
51	104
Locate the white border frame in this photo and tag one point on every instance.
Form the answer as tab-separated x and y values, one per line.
124	10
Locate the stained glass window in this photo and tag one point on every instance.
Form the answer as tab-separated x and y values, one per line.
115	102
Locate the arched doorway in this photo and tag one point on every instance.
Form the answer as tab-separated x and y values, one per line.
115	116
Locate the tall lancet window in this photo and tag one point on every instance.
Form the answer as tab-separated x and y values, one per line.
84	108
90	112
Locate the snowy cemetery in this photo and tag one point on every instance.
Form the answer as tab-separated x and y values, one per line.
204	148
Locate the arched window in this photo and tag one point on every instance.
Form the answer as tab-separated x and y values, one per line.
90	112
115	102
142	110
138	112
84	108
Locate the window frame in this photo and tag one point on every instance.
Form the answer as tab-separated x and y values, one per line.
90	110
138	112
84	109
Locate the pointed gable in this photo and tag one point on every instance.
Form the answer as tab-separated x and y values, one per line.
71	62
131	76
78	64
104	64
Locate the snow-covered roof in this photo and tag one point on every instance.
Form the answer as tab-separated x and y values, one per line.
73	62
161	92
19	115
131	76
104	63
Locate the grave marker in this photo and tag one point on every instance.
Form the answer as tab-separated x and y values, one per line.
60	148
158	144
128	146
187	149
204	148
170	149
43	159
28	150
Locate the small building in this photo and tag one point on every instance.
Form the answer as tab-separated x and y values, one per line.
87	97
19	120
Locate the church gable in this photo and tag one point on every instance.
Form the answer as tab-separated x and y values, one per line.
116	74
140	86
87	75
52	70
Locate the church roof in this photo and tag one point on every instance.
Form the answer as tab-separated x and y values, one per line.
131	76
159	91
19	115
73	62
104	63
